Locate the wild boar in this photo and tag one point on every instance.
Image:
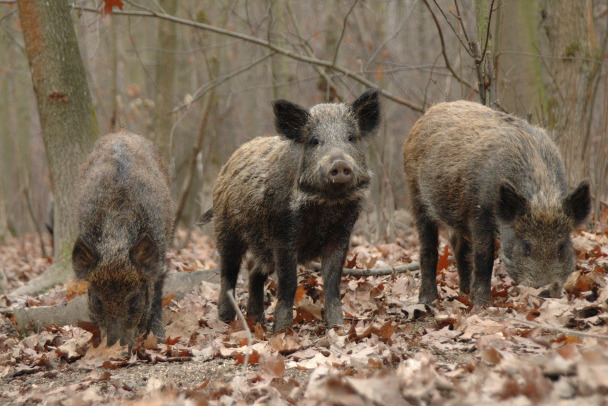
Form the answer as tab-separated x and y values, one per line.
125	220
487	174
292	198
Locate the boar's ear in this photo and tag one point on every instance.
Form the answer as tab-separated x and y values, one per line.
84	257
290	119
510	203
367	111
144	252
577	204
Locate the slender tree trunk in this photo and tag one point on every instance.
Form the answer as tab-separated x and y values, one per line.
519	80
483	54
165	82
68	121
115	122
5	100
569	75
279	66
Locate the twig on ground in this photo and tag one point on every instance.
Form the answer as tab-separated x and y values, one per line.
245	326
7	310
414	266
554	327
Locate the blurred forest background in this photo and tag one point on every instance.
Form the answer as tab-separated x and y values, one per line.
200	93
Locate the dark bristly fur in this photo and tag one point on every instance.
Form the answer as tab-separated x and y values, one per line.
486	174
292	198
125	219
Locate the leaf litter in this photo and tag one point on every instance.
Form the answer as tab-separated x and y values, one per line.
524	349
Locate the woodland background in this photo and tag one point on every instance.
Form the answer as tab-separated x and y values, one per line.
201	94
198	78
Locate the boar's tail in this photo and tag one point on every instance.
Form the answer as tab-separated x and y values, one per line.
206	217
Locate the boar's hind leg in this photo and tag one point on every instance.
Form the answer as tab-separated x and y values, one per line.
285	263
483	248
255	305
428	236
462	251
231	254
156	315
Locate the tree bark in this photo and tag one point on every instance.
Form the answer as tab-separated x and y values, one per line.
519	80
279	66
67	118
165	82
567	76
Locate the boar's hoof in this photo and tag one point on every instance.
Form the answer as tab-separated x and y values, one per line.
335	322
428	298
480	298
226	312
158	330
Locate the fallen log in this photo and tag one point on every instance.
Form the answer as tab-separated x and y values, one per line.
177	284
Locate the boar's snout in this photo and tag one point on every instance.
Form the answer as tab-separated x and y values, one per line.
117	332
340	172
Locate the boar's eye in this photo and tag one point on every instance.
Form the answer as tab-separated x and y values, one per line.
314	142
351	137
527	248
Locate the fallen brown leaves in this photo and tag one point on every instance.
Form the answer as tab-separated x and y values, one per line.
391	351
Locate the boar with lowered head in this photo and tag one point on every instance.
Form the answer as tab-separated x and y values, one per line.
292	198
487	174
125	219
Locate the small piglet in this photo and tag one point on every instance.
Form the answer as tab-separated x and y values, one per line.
487	174
292	198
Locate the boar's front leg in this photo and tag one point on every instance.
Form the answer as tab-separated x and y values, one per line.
285	262
332	263
462	251
483	254
156	315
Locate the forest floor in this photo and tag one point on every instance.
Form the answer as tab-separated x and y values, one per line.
522	350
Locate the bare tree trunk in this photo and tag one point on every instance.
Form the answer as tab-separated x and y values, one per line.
165	82
519	80
483	54
115	123
279	66
570	73
68	121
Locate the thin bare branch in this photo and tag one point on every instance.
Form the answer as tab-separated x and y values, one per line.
553	327
308	49
465	46
389	38
209	86
485	47
461	21
241	317
414	266
444	51
311	60
343	31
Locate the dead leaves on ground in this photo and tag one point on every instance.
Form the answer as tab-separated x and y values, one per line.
391	350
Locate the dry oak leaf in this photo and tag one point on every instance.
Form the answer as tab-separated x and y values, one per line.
271	365
108	5
103	355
